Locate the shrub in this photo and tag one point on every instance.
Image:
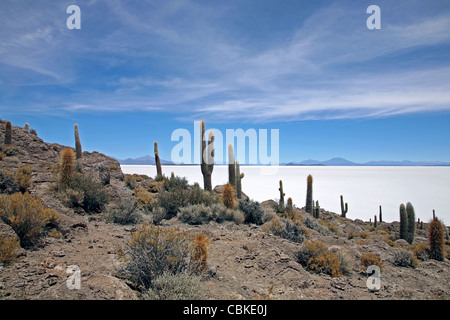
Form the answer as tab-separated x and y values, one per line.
10	150
345	261
2	156
157	215
144	198
229	197
104	174
253	211
436	234
154	250
315	256
27	215
200	214
362	235
369	259
180	286
92	193
287	229
171	201
175	183
200	245
8	183
421	251
126	212
314	225
23	177
8	249
404	258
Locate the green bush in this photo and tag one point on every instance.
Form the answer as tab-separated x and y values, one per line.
287	229
126	212
153	251
200	214
253	211
180	286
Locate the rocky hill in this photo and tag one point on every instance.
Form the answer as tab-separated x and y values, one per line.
244	260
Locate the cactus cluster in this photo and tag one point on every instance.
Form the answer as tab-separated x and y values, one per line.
315	209
407	222
206	156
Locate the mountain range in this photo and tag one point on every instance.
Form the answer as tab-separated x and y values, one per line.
150	160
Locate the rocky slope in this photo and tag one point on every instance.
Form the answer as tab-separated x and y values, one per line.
244	261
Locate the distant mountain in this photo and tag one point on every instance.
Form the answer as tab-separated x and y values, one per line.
345	162
145	160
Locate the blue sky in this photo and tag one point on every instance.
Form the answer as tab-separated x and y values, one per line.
137	70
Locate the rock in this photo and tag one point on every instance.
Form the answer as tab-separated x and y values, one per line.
403	243
338	283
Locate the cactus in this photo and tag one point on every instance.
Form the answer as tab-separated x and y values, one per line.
8	133
78	151
375	222
436	239
317	210
239	177
290	205
344	208
309	194
206	156
228	196
381	215
282	194
434	214
157	162
421	225
411	223
403	222
66	167
27	127
231	166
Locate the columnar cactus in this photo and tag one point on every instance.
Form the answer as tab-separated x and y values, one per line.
231	166
27	127
403	222
78	151
344	208
381	215
309	194
206	156
317	210
228	196
239	177
8	133
375	222
282	194
436	239
411	223
66	167
157	162
290	205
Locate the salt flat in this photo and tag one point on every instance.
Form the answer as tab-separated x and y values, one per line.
364	188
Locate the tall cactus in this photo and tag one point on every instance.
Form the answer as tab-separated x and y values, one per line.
282	194
289	206
239	177
317	210
309	194
66	167
231	166
206	156
381	215
344	208
27	127
157	162
411	223
403	222
8	133
436	239
78	150
375	222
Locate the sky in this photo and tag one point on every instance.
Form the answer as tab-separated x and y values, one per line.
138	70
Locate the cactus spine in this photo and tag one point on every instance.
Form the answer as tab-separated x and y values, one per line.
239	177
27	127
78	151
157	162
231	166
436	239
309	194
411	223
8	133
403	222
206	156
344	208
282	194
